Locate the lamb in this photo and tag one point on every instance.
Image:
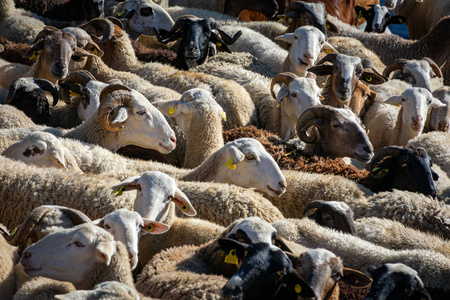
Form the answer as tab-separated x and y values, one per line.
432	267
16	26
29	95
437	146
410	120
231	7
43	149
56	50
156	199
227	92
421	17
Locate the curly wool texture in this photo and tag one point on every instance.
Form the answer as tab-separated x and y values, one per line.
42	288
146	54
433	268
14	51
11	117
8	258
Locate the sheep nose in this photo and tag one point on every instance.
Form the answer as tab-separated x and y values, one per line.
26	255
377	26
282	184
191	48
308	56
417	120
367	149
173	139
59	65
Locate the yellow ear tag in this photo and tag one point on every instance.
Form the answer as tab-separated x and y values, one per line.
328	26
230	165
224	116
383	171
359	15
329	51
231	258
72	94
171	111
119	192
95	51
298	288
400	21
150	227
34	56
13	232
121	13
369	79
278	104
219	44
289	20
375	169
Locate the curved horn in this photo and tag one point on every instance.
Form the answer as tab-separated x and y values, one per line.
433	66
112	97
315	204
382	153
175	27
76	216
330	58
115	21
398	64
81	76
46	85
24	229
306	119
72	82
285	77
98	26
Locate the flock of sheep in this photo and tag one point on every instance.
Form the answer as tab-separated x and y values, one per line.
169	150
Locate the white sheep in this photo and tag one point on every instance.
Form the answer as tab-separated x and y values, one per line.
156	199
399	125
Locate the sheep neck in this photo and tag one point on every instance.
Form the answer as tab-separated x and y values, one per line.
203	138
403	130
208	171
39	70
330	97
92	131
118	270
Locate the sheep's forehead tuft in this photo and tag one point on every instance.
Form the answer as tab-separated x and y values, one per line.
91	232
247	143
380	9
157	180
416	94
347	60
348	115
306	85
339	205
319	256
256	229
308	30
41	136
417	65
124	216
401	268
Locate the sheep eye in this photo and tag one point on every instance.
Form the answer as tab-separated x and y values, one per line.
250	157
141	112
433	76
79	244
336	125
403	99
429	102
107	226
294	95
295	37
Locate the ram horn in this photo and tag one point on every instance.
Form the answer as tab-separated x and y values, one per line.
382	153
48	86
171	35
73	83
398	64
307	119
99	27
76	216
433	66
285	77
23	230
112	97
319	204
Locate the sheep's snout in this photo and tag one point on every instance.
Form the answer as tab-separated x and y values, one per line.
59	70
417	123
27	263
231	292
443	126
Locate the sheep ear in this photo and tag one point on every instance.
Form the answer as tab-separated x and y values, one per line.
182	202
94	49
128	184
284	91
298	285
436	103
288	38
59	156
434	175
328	48
153	227
356	278
331	27
321	70
228	245
395	100
235	156
103	252
121	116
360	12
396	20
173	109
372	78
99	222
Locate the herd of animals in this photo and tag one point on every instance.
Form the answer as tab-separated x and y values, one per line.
224	149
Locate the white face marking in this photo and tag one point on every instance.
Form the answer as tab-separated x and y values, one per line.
257	230
320	256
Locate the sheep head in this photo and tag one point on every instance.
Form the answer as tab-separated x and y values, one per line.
404	169
142	16
440	117
336	131
266	272
332	214
136	121
346	71
42	149
307	42
416	72
156	191
69	254
28	95
295	96
377	17
299	13
56	50
198	36
322	271
127	226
